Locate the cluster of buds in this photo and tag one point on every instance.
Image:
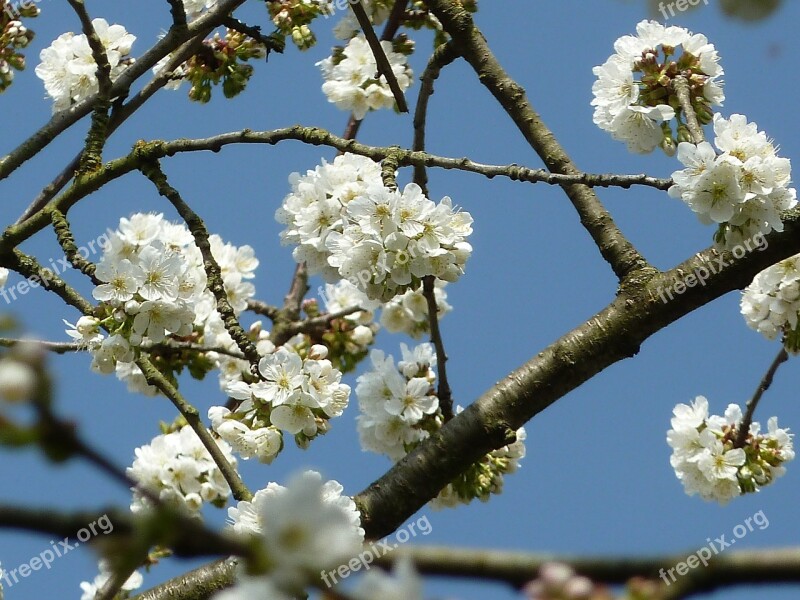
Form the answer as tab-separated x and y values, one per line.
14	36
221	60
292	18
485	477
347	338
657	84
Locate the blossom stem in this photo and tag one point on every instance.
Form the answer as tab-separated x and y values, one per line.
681	87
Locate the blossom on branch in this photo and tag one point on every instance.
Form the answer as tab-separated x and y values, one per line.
635	97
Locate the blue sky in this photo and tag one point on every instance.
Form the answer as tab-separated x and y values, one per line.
596	479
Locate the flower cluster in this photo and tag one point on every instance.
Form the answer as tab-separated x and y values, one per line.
350	81
68	68
635	96
707	460
399	409
178	468
398	405
347	224
743	189
391	239
154	287
90	590
305	528
222	60
297	395
313	209
14	36
771	303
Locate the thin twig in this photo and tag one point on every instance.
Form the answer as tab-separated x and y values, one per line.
63	120
154	377
442	56
615	248
271	42
213	272
443	393
763	386
382	62
119	114
292	305
262	308
389	31
92	156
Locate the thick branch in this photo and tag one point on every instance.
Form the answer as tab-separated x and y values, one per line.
770	565
615	333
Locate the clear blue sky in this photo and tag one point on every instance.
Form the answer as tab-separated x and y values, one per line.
597	478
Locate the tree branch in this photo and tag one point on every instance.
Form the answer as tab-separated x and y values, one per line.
384	68
442	56
61	121
154	377
749	567
215	283
613	245
615	333
744	428
443	393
